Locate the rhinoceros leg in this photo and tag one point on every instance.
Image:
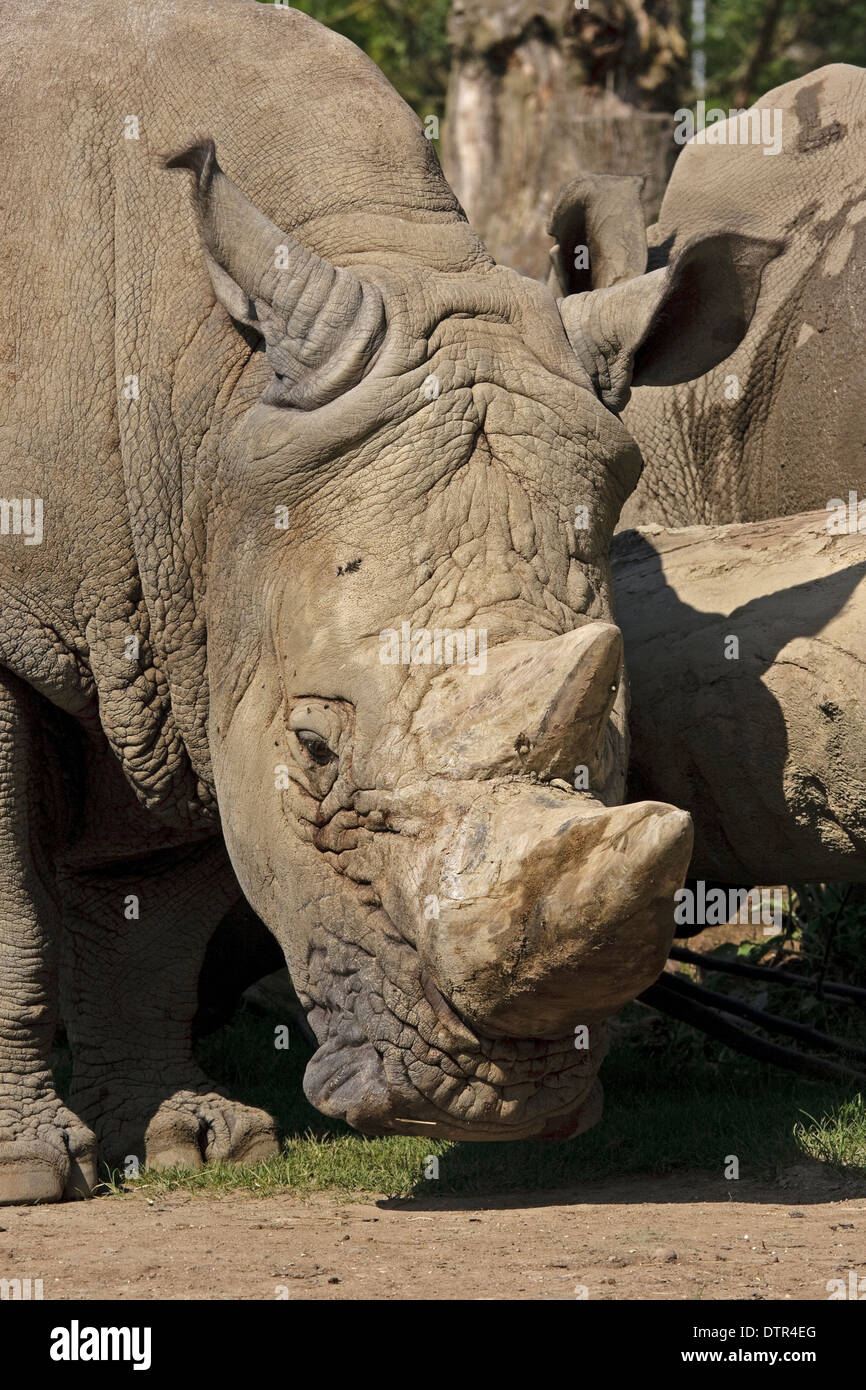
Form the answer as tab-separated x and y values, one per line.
129	989
45	1150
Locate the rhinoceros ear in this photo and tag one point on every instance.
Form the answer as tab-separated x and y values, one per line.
671	325
600	232
321	326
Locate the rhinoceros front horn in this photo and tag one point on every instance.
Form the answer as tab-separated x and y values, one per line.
554	908
553	915
322	326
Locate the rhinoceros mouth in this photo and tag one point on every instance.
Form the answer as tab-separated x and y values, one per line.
351	1082
434	1075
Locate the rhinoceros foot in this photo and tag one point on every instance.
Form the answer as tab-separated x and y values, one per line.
46	1157
183	1120
192	1128
185	1128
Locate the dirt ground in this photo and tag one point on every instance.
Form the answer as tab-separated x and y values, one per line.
646	1238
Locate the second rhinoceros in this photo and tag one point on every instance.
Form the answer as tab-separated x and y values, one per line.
778	430
320	602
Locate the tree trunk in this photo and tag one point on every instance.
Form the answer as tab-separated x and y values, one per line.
761	54
541	91
744	646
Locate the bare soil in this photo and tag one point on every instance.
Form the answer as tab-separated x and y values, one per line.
648	1238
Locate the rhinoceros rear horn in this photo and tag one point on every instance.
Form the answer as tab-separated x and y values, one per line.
540	706
321	325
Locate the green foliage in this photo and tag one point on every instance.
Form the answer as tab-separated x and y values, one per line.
808	34
824	938
406	38
839	1138
669	1109
408	41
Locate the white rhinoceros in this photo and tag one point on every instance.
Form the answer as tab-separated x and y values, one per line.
780	427
293	597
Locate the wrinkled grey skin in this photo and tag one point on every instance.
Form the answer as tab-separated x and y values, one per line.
767	753
795	435
192	695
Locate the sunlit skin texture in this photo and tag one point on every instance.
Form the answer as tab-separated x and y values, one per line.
221	389
460	510
778	428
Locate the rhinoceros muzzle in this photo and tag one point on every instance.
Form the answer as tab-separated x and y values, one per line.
521	911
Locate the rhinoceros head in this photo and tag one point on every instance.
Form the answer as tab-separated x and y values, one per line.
417	699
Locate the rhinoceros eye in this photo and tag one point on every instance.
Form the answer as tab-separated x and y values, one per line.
315	746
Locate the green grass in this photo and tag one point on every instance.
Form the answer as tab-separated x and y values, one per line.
676	1102
669	1108
839	1138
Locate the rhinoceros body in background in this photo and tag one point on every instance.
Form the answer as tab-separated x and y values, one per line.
297	438
780	428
